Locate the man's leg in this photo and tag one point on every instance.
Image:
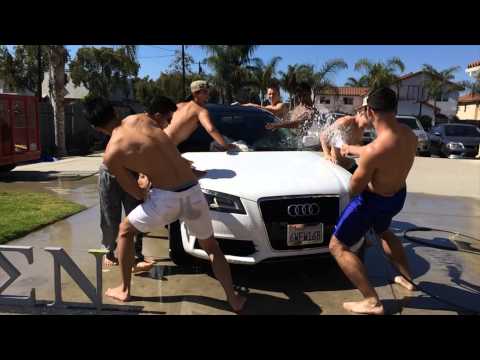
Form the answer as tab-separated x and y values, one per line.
394	250
141	265
125	249
110	214
221	270
357	274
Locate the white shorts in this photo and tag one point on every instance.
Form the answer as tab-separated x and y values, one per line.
165	207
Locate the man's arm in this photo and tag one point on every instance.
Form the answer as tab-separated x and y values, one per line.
207	123
364	173
125	178
355	150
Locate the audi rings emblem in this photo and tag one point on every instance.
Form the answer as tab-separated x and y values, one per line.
296	210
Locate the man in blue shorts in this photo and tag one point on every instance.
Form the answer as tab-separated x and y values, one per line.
377	190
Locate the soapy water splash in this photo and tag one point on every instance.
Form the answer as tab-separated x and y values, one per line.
302	138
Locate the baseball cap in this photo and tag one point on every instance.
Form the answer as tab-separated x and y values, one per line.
199	85
383	99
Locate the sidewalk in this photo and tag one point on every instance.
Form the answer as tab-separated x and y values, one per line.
69	167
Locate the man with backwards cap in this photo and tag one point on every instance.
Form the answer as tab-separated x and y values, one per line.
378	191
185	120
351	128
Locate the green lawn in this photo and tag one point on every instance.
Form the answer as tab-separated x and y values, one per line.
24	212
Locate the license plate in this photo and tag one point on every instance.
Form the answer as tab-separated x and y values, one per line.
300	234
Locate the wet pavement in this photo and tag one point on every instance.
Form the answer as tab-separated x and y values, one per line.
307	287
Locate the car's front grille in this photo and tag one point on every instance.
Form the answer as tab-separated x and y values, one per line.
276	217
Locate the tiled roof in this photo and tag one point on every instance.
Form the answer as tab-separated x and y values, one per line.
474	64
346	91
470	98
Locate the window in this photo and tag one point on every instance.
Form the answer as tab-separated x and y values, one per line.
412	93
324	100
348	101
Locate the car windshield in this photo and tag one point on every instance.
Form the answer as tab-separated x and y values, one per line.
462	131
410	122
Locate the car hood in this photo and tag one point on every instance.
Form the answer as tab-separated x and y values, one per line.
463	140
252	175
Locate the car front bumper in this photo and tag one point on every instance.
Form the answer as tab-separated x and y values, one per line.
244	239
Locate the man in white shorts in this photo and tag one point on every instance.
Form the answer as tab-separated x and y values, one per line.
139	144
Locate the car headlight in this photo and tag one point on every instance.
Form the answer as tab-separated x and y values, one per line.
221	202
422	137
455	146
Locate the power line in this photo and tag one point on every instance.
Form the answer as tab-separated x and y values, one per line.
154	57
161	48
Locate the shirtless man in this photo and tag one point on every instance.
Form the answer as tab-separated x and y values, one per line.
189	114
138	144
301	114
378	191
276	107
352	128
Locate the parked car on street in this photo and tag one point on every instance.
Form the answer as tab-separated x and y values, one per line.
423	145
455	140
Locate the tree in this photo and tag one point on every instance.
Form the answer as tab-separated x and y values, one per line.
229	64
21	72
322	79
472	85
439	83
380	74
57	58
288	81
105	70
176	64
361	82
262	74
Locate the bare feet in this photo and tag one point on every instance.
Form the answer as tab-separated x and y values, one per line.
400	280
110	260
142	266
368	306
237	303
118	293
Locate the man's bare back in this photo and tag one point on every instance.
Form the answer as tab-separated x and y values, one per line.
392	154
185	121
140	145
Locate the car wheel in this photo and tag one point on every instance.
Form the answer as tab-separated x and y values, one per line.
176	251
6	168
425	154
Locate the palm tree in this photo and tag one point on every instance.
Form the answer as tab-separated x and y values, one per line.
57	58
361	82
473	86
439	83
262	74
322	79
229	63
288	81
380	74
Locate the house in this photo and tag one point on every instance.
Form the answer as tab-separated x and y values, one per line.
413	97
73	92
469	107
473	68
343	99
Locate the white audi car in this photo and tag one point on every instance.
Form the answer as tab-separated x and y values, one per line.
270	204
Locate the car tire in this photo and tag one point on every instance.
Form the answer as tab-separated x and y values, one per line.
176	250
7	168
425	154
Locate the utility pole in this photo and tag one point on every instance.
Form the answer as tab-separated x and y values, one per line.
40	75
183	71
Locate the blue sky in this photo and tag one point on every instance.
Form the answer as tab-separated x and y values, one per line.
156	58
